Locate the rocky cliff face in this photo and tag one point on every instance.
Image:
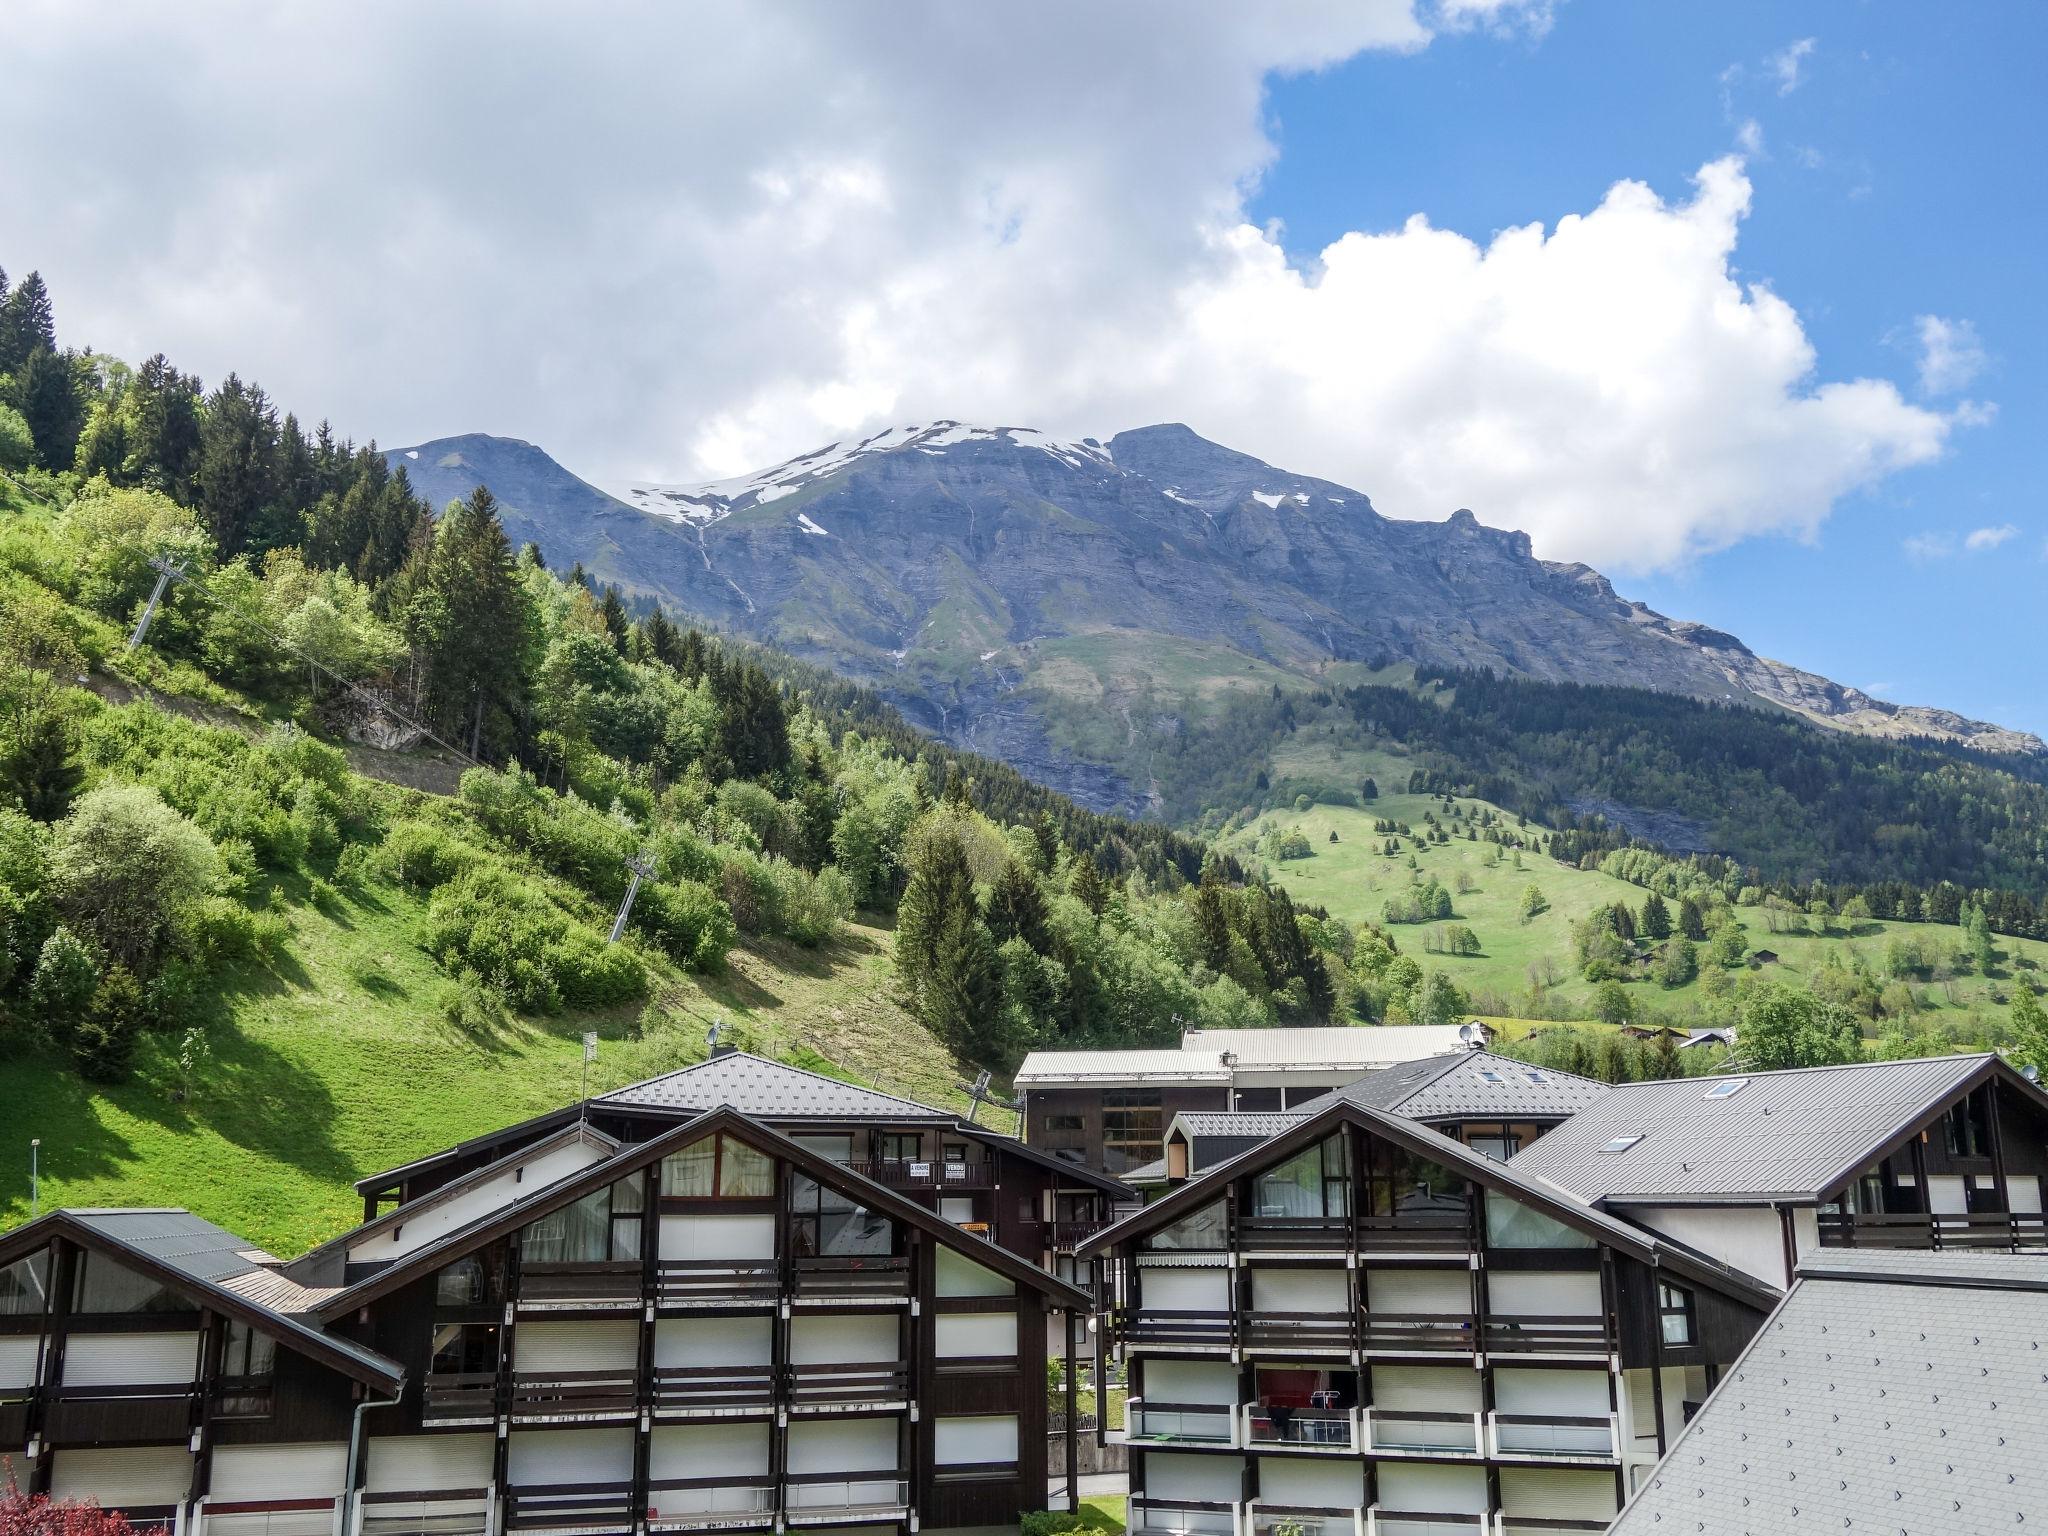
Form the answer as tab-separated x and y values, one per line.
1070	605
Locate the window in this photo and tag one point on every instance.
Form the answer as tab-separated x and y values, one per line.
824	1222
1491	1077
1967	1127
1408	1190
718	1167
1727	1088
1511	1224
465	1349
1199	1229
25	1286
1623	1143
601	1227
461	1284
1312	1183
1133	1129
1499	1148
104	1286
1674	1313
898	1147
1065	1123
247	1359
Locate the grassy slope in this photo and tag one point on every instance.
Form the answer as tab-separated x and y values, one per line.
1353	880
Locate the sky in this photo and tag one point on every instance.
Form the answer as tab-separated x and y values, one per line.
1739	303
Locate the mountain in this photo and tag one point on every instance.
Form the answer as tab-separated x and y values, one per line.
1075	606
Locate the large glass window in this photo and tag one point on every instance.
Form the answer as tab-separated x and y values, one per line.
823	1222
1413	1190
465	1349
1312	1183
1511	1224
25	1286
461	1284
1133	1129
247	1351
718	1167
604	1225
1202	1229
104	1286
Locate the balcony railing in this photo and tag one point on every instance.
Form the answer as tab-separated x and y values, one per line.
1424	1431
1553	1434
1546	1334
1149	1516
436	1512
552	1395
847	1385
1167	1329
1380	1521
713	1387
1298	1331
1997	1230
459	1397
1417	1332
910	1173
1263	1519
741	1283
1295	1234
813	1497
860	1277
700	1503
546	1506
1309	1429
1505	1524
14	1407
1444	1232
1066	1235
267	1517
140	1412
244	1397
1168	1423
570	1287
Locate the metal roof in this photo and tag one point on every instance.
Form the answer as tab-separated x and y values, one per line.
1243	1122
1364	1046
758	1087
1476	1085
1786	1135
178	1240
1868	1404
1173	1066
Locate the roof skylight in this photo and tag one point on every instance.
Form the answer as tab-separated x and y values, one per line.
1727	1088
1623	1143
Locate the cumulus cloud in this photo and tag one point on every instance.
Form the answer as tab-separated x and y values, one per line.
1788	65
1951	356
695	240
1989	538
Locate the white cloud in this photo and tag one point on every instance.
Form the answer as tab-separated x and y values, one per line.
1923	547
696	240
1979	539
1788	65
1749	137
1951	356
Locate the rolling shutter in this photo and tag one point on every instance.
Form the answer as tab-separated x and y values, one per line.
130	1359
541	1347
707	1450
1183	1290
844	1340
277	1471
140	1476
974	1333
844	1446
1418	1291
713	1341
537	1457
429	1463
1512	1293
967	1441
18	1358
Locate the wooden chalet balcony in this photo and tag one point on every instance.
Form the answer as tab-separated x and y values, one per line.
1067	1235
141	1412
1149	1516
1263	1519
1324	1332
1307	1429
1423	1232
279	1516
711	1503
548	1396
856	1278
575	1287
1424	1432
1294	1234
738	1284
912	1173
713	1389
468	1397
1402	1333
1546	1334
14	1409
1999	1231
1564	1437
816	1388
572	1506
1159	1329
1380	1521
820	1498
435	1512
1157	1423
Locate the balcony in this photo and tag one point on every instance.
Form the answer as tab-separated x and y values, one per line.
1418	1232
609	1287
1424	1432
910	1173
1553	1436
733	1285
1997	1231
1069	1235
1149	1516
14	1407
1505	1524
849	1387
1296	1333
1417	1333
469	1397
439	1512
1424	1522
1325	1236
1548	1334
856	1280
561	1397
814	1498
713	1390
1151	1328
1263	1519
1154	1423
711	1504
267	1517
1333	1430
141	1412
571	1506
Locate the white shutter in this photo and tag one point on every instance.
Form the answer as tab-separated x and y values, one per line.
1426	1388
277	1471
1451	1490
130	1359
2024	1191
1301	1290
707	1450
18	1358
537	1457
1513	1293
717	1237
1322	1482
975	1333
817	1340
1546	1493
542	1347
837	1149
962	1441
429	1463
139	1475
1434	1291
842	1445
1184	1290
681	1341
1946	1195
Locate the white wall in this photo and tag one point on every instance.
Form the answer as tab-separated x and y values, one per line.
681	1341
130	1359
961	1441
974	1333
1212	1479
541	1456
717	1237
1434	1388
1184	1290
958	1275
842	1445
434	1215
1747	1236
1435	1490
1555	1493
1418	1290
1320	1482
707	1450
1301	1290
1520	1293
1190	1381
856	1340
1572	1394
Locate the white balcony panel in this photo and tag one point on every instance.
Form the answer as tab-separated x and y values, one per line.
958	1275
717	1237
18	1359
1419	1290
429	1463
1191	1381
1318	1482
965	1440
1299	1290
1419	1487
130	1359
1547	1493
974	1333
685	1341
304	1471
1184	1290
537	1457
856	1340
542	1347
842	1445
132	1475
1207	1479
707	1450
1426	1388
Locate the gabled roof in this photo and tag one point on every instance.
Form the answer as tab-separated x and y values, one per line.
1902	1392
1475	1085
1623	1237
629	1159
1050	1068
1790	1136
766	1089
515	1135
1337	1046
225	1273
1254	1123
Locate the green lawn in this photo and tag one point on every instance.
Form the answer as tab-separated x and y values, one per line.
1103	1512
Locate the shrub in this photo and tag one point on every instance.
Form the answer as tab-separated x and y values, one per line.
423	856
123	865
1050	1522
66	975
522	945
687	920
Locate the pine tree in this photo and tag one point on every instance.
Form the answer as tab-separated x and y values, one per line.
1086	883
1016	909
611	609
1692	921
1656	924
467	614
1212	921
40	771
238	442
53	406
27	322
2029	1026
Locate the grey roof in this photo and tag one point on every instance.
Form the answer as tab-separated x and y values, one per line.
1787	1135
178	1240
757	1087
1867	1404
1477	1085
1245	1122
1153	1172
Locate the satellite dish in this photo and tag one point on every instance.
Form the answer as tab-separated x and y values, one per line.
2031	1074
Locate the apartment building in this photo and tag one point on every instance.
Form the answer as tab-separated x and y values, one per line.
1110	1109
1363	1327
1763	1169
713	1327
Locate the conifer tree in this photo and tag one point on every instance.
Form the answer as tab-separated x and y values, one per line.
1656	924
237	461
53	406
1016	910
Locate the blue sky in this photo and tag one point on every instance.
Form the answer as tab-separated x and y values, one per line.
1900	176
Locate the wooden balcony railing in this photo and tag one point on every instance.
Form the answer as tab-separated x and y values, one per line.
847	1385
1067	1235
1413	1332
1437	1432
539	1506
728	1502
1170	1329
1447	1232
714	1386
1298	1331
909	1173
739	1283
244	1397
2000	1231
1317	1234
459	1396
610	1286
1552	1434
861	1277
14	1410
1169	1423
1546	1334
140	1412
575	1394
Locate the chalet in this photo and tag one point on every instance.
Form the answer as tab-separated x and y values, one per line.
1759	958
1110	1109
713	1327
1760	1169
1927	1424
1362	1325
